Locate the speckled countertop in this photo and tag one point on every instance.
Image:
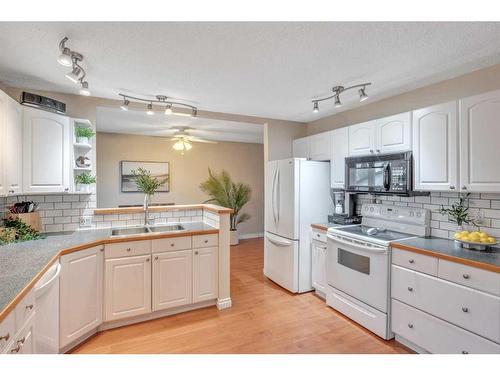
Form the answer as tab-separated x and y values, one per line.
21	262
324	226
449	250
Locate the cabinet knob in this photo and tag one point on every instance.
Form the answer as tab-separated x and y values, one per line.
5	337
464	187
172	245
66	189
101	249
465	352
411	261
11	191
465	309
410	289
410	325
378	151
129	249
29	307
371	151
195	253
21	341
465	276
16	349
452	187
206	241
156	257
147	259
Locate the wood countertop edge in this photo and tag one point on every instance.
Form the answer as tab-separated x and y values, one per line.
467	262
320	227
87	245
134	210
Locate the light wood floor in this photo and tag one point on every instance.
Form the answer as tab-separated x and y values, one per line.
264	319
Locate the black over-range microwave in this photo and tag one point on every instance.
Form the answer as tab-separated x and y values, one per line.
381	174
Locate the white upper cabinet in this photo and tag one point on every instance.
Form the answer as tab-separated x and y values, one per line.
300	148
393	133
13	144
362	138
339	140
46	152
319	146
3	111
479	143
80	298
435	147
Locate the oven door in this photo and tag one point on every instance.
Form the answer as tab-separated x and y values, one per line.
359	269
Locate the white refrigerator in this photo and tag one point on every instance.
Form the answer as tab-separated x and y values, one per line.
297	194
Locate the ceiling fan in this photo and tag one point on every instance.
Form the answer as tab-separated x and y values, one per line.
183	139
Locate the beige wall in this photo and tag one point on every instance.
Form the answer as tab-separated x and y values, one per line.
243	161
278	138
466	85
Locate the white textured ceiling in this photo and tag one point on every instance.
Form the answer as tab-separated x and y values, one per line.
262	69
115	120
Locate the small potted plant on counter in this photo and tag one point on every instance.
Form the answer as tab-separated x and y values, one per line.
83	135
83	182
224	192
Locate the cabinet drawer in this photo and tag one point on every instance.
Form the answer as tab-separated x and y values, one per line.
7	331
319	236
124	249
169	244
206	240
473	277
25	309
436	335
414	261
467	308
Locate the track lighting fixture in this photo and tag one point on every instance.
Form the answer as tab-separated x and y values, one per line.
161	99
125	104
337	90
150	111
73	59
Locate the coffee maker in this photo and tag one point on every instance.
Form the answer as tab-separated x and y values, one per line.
345	209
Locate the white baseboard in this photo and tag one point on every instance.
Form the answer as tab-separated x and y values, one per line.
224	303
251	235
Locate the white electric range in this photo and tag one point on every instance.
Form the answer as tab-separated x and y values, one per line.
358	262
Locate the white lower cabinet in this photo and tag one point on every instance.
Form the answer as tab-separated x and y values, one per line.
318	265
24	342
172	279
80	297
127	287
205	274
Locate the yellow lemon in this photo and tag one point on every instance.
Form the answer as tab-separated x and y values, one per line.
475	233
464	232
484	235
483	240
457	235
491	240
465	238
474	237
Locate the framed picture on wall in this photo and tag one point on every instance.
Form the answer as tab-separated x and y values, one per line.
158	169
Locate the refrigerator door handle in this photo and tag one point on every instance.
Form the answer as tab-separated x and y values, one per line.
273	195
278	242
279	196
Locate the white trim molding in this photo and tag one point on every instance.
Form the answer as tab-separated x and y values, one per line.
224	303
251	235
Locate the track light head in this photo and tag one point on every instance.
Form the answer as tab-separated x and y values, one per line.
168	109
84	90
74	74
150	111
125	104
315	107
337	103
65	57
362	95
194	113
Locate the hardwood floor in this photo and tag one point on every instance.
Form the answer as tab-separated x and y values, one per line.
264	319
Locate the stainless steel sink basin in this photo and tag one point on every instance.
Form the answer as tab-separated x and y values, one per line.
129	231
166	228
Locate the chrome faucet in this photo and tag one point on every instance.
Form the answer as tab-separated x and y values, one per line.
146	210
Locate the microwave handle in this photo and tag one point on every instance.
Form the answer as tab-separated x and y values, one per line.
387	177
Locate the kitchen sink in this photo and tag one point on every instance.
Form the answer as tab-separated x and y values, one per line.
129	231
166	228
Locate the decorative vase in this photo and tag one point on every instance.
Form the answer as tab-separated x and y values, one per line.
234	237
83	188
83	140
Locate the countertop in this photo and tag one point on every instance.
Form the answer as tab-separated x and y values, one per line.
23	263
448	250
324	226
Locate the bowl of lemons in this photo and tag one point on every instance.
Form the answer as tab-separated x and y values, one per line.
474	240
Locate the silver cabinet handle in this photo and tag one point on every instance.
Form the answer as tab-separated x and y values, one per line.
410	325
156	257
464	187
16	349
452	187
411	261
378	151
5	337
410	289
465	276
465	309
371	151
66	189
29	307
465	352
195	253
21	341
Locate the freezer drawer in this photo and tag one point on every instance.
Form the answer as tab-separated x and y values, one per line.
281	261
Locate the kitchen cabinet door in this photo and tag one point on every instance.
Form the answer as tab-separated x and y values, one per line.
339	151
393	134
435	147
46	152
172	279
318	272
80	294
24	343
205	274
13	147
479	135
319	146
127	287
3	142
362	139
300	148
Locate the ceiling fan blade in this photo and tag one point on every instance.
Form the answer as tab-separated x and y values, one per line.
200	140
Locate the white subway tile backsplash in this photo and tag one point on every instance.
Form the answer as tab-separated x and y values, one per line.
62	220
52	213
71	198
53	198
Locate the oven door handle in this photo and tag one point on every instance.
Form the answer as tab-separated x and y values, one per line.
358	246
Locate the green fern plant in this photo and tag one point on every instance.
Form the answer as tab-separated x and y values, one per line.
459	212
224	192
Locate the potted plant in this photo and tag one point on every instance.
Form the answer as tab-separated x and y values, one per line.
148	185
459	213
83	182
83	135
224	192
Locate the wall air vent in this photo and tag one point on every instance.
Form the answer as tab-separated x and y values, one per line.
41	102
